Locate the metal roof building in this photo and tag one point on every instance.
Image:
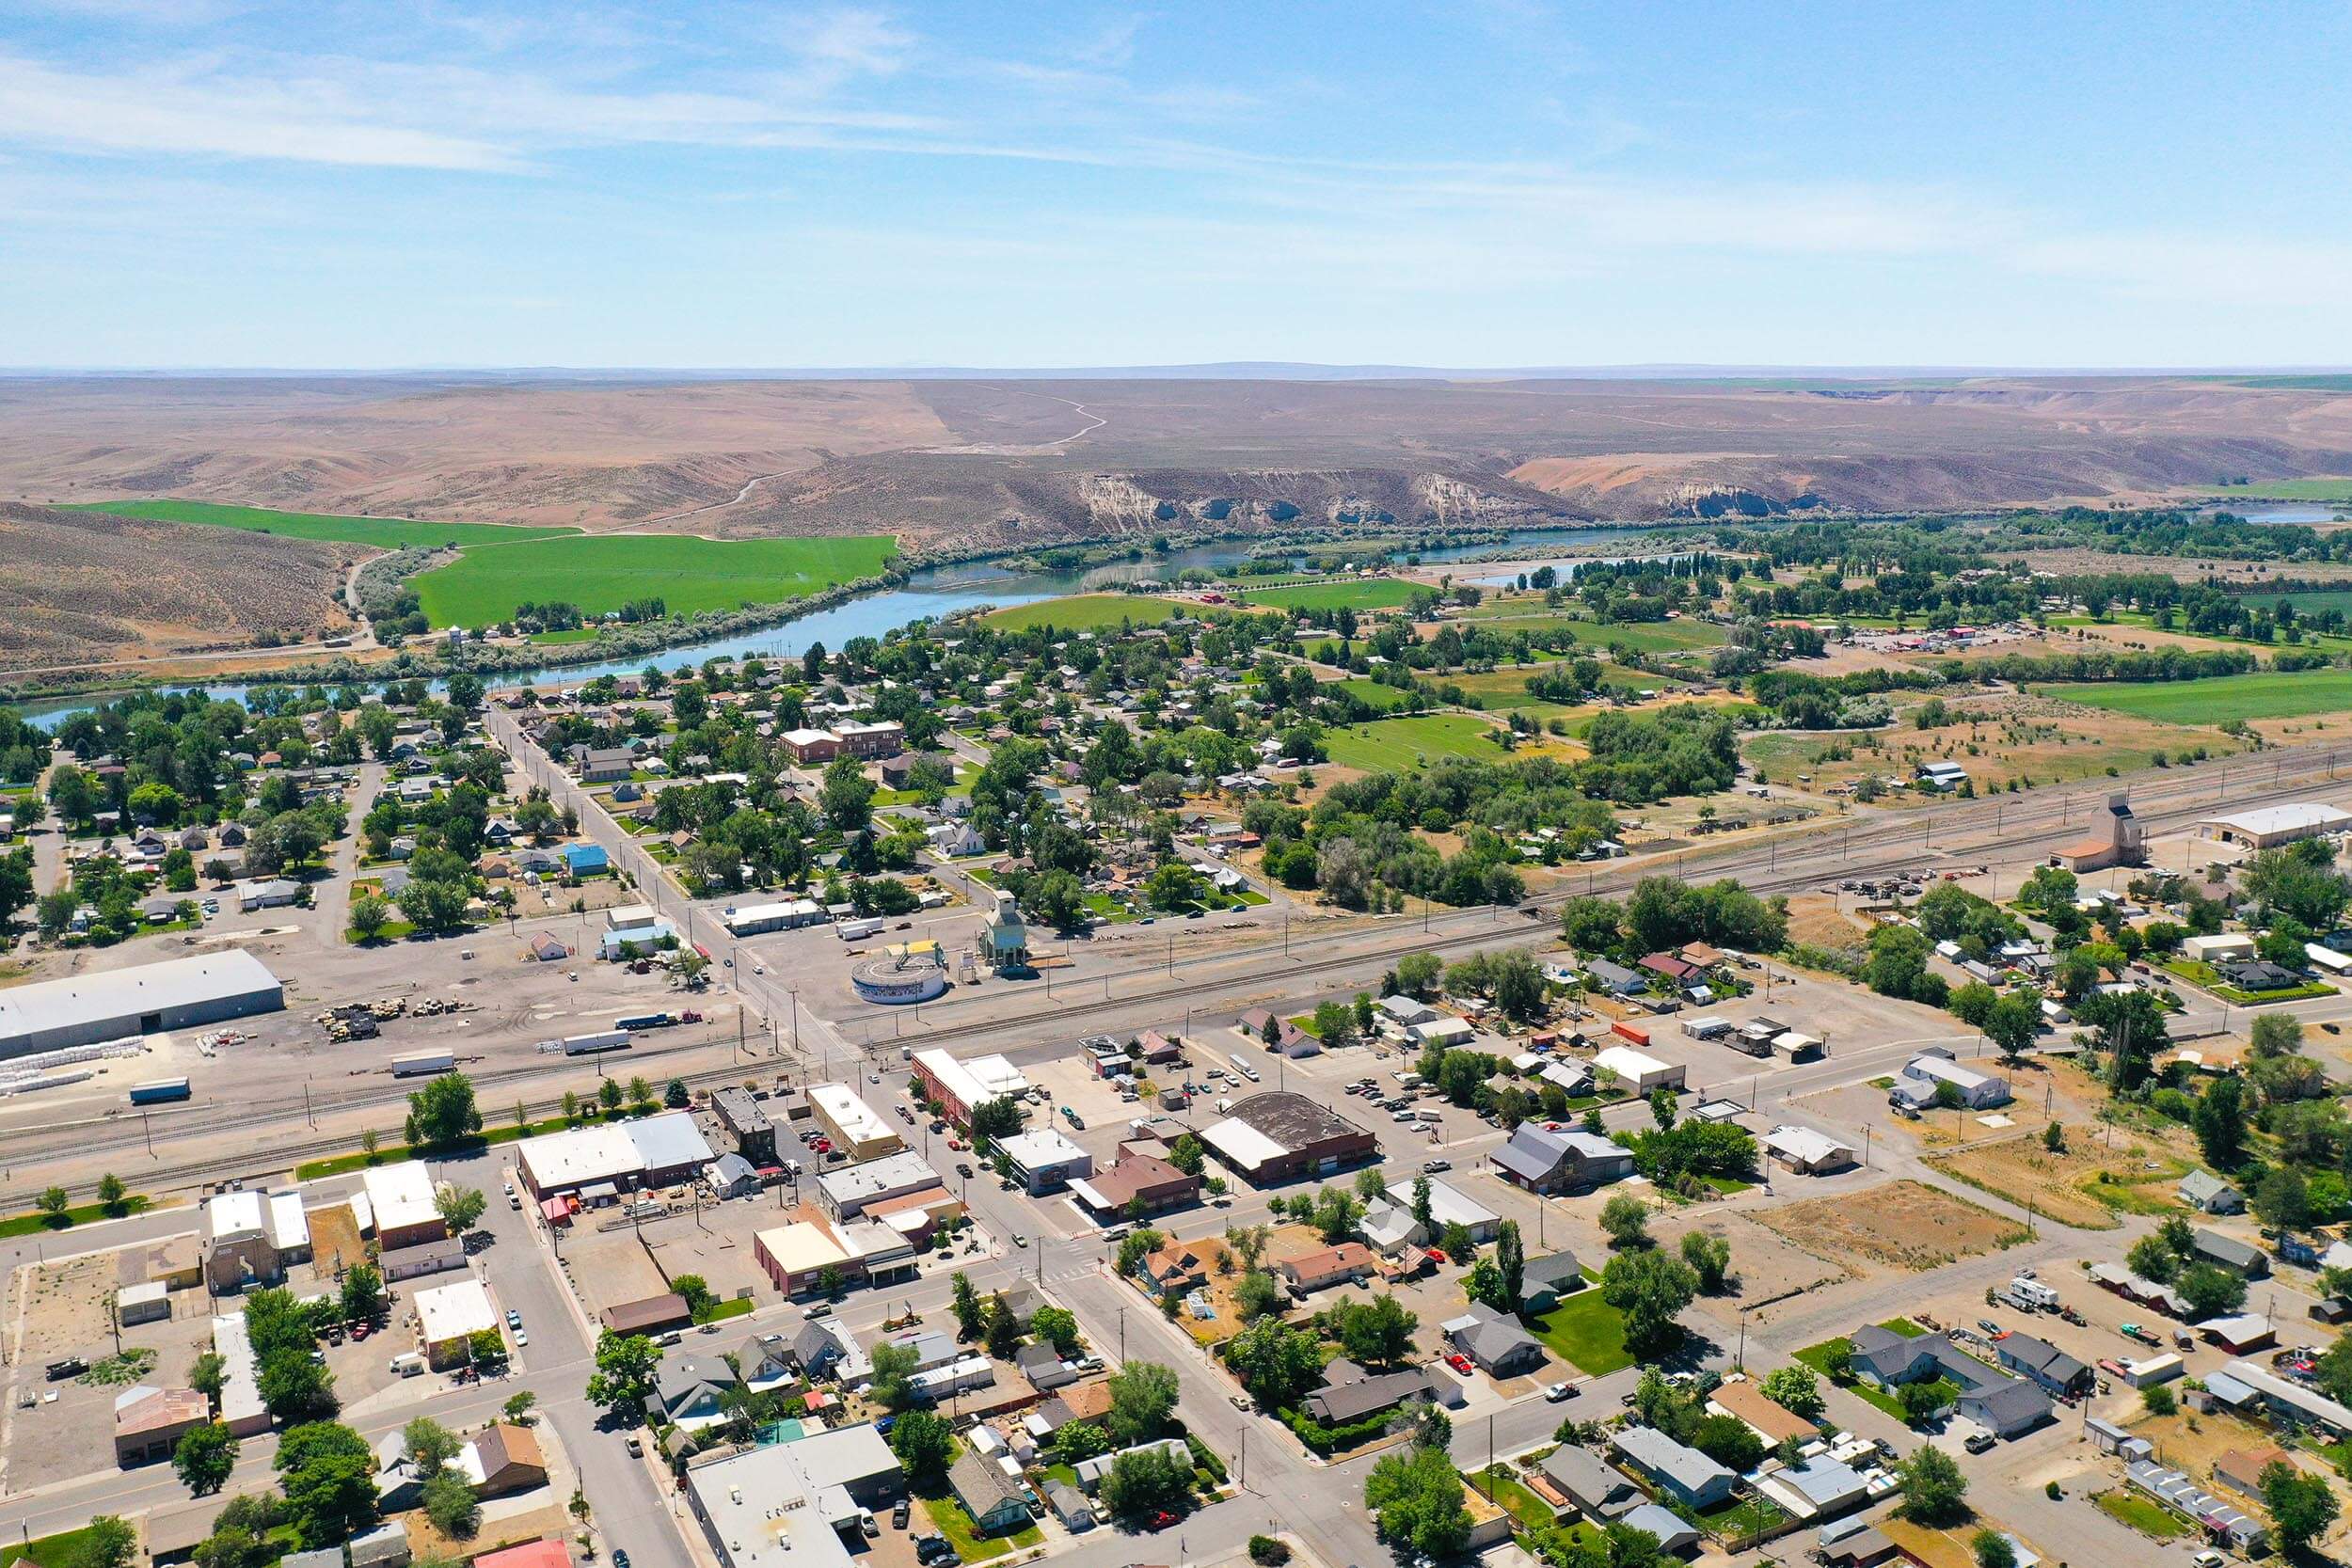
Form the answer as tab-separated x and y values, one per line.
148	999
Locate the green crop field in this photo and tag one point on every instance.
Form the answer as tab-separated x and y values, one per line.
1653	636
2265	694
1376	593
1371	693
605	571
1087	612
1398	745
2307	602
2293	490
389	533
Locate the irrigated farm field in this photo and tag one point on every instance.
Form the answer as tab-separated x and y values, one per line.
1378	594
1086	613
389	533
1400	744
603	572
2267	695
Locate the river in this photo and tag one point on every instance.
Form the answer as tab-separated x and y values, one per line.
931	593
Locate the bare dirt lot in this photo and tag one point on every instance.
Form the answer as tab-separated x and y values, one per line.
1903	1225
78	586
1766	1267
2098	1176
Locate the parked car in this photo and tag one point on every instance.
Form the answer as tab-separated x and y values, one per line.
898	1515
1556	1392
1432	1167
1459	1362
1979	1442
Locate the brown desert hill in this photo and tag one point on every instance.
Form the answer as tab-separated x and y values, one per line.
972	463
82	586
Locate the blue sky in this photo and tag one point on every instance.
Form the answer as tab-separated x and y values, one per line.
1489	184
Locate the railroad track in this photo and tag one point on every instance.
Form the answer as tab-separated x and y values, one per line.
1873	847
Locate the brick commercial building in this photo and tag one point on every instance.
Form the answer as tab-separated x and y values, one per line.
1280	1137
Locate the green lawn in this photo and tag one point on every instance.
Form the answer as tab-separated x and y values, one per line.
1738	1517
1372	693
31	1225
1585	1330
1816	1357
1506	1491
1089	612
2265	694
604	572
1398	745
1905	1327
573	634
950	1519
1371	594
391	533
2143	1515
65	1550
1653	636
2305	602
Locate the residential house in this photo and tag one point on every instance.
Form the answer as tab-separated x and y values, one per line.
1177	1268
1743	1400
1616	979
2213	1248
1497	1343
2044	1362
691	1387
2209	1194
2003	1405
1342	1264
1548	1281
1675	1534
1070	1506
1684	1474
1597	1488
1091	1471
508	1459
991	1497
1351	1394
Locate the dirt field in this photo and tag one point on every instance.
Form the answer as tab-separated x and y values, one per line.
78	586
335	1243
2064	1185
1766	1267
1904	1225
986	464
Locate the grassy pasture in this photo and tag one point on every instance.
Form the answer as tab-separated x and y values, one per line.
2265	694
1398	745
1374	593
389	533
1087	612
601	572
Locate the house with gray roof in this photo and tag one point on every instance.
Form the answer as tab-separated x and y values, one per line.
1496	1342
1542	1161
690	1387
1600	1490
1350	1393
1548	1281
2044	1363
1616	979
1070	1506
1687	1474
990	1496
2209	1194
2002	1405
2211	1246
1674	1533
1091	1471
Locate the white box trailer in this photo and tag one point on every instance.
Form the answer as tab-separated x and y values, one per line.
423	1064
858	930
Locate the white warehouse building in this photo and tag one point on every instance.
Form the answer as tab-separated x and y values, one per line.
123	1004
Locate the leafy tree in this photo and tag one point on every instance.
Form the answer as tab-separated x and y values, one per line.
2210	1288
2150	1259
2301	1507
370	914
1275	1362
894	1365
1935	1493
1709	1258
205	1457
2282	1202
1992	1550
971	1316
107	1542
995	1118
296	1387
1650	1291
1336	1214
443	1111
1511	1259
2013	1023
54	1201
230	1546
461	1207
1186	1154
623	1381
1795	1389
1255	1294
111	1193
1482	1283
449	1503
208	1372
1141	1483
330	1492
1143	1397
1729	1442
1418	1497
696	1293
519	1407
1625	1219
1059	1327
2157	1398
1378	1332
924	1443
361	1297
431	1445
2219	1120
1080	1440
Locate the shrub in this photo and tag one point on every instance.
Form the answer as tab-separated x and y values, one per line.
1267	1552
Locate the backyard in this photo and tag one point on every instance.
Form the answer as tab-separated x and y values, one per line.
1585	1331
